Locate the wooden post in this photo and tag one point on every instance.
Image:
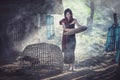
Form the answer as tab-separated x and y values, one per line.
115	19
116	23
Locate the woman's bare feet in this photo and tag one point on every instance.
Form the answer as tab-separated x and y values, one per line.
71	67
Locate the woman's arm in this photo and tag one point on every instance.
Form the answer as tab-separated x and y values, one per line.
64	27
76	22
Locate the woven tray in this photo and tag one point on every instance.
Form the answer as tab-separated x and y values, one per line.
75	30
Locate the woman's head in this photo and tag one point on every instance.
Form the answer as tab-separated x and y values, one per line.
68	14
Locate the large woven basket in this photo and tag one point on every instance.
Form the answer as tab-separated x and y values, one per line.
42	56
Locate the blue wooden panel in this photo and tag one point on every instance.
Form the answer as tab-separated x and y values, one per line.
50	27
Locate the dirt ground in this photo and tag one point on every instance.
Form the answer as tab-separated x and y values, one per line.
97	68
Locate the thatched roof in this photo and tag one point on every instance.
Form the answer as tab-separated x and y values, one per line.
38	6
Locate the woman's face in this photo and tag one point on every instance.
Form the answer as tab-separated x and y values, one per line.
68	15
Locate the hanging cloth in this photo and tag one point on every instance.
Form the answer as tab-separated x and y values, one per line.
113	41
117	43
117	36
110	42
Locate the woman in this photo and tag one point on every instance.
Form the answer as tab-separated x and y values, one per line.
68	41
